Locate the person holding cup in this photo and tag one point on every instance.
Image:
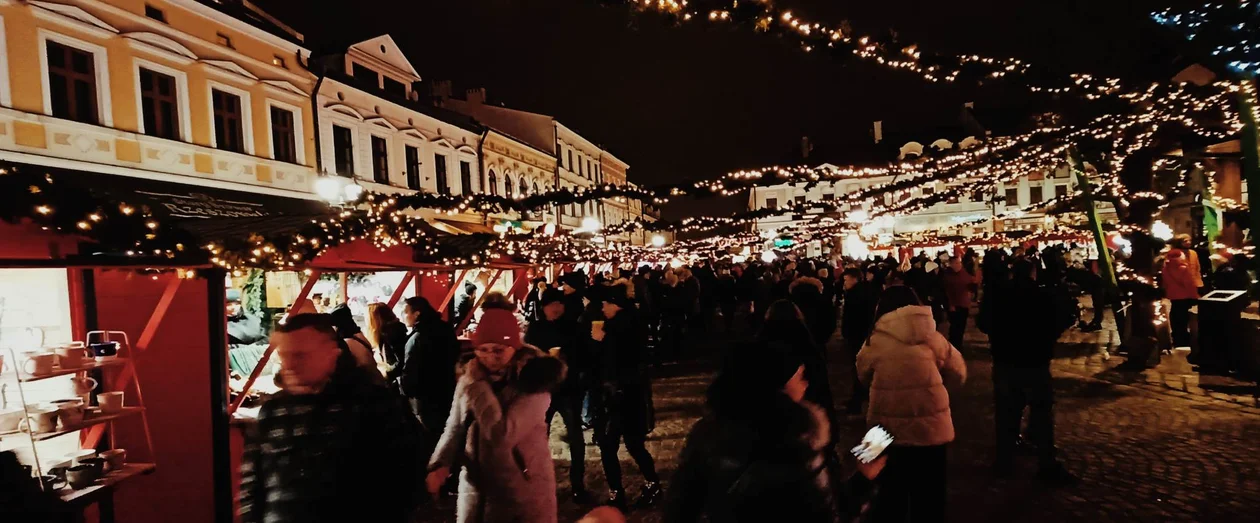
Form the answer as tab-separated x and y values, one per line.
622	401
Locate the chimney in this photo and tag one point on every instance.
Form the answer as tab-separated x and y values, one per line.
879	131
440	90
476	96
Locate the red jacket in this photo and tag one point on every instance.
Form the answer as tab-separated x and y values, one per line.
1182	277
957	287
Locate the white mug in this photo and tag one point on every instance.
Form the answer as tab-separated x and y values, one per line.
41	420
110	402
70	413
71	357
38	363
84	385
11	419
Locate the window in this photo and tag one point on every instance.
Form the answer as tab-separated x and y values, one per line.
570	159
439	166
1060	191
589	173
154	13
366	77
413	167
772	203
223	40
929	190
380	160
465	177
829	196
535	188
72	83
1034	194
800	200
395	87
159	105
507	186
277	61
283	135
493	183
229	132
343	151
1012	196
524	187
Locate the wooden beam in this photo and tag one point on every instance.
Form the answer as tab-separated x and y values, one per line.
464	323
271	347
450	293
402	286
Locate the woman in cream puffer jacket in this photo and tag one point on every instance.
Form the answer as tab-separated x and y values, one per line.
909	366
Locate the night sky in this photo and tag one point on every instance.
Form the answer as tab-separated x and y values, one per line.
697	101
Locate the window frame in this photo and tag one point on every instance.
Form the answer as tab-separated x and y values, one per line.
465	177
375	162
772	203
354	142
149	9
100	67
492	182
409	161
1012	202
6	95
299	134
442	176
1040	195
247	120
184	107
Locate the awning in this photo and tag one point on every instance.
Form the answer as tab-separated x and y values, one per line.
458	227
205	212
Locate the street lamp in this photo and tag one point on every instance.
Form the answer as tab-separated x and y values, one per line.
337	190
590	224
658	240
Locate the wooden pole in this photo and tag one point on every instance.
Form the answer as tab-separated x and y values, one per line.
464	323
402	286
450	294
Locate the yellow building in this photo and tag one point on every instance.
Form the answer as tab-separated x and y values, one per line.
182	91
516	169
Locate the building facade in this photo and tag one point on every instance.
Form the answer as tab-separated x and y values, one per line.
166	90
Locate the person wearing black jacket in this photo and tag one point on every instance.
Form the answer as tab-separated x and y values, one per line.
428	377
785	324
724	293
860	298
622	398
820	316
762	452
552	331
1027	321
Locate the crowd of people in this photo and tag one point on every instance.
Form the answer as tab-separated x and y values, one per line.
476	425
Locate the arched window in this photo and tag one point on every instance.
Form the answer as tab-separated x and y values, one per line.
507	185
536	188
494	184
524	187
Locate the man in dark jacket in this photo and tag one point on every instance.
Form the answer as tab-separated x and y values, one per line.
860	298
1027	321
323	445
554	331
820	316
623	398
428	378
724	293
464	305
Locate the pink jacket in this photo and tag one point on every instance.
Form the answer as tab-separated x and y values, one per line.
908	365
1182	278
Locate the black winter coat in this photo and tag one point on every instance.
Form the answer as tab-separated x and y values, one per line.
545	335
623	388
428	377
1027	320
859	311
762	464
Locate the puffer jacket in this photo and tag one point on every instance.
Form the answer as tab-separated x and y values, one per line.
1181	275
908	365
501	441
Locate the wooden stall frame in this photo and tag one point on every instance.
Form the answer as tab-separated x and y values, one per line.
271	346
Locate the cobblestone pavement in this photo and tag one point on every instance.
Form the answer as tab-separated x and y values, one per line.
1142	453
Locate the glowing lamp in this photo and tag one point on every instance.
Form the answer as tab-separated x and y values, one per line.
658	240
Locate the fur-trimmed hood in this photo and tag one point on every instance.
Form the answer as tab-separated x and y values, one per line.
533	370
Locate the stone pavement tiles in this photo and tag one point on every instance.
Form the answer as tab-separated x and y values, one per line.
1142	454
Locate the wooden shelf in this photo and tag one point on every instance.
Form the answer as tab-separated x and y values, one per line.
58	371
87	496
87	422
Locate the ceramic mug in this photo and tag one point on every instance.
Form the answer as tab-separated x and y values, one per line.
114	459
10	419
81	476
71	357
41	420
110	402
104	350
38	363
70	412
